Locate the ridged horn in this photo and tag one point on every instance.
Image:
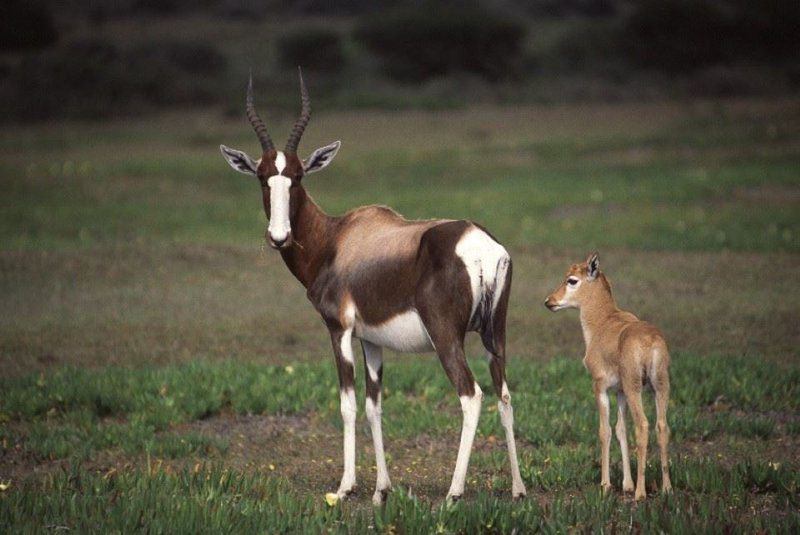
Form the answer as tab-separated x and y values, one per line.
302	121
255	120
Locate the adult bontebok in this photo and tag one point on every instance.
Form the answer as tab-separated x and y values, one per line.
622	353
410	286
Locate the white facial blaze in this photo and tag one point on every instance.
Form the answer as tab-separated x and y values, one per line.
279	226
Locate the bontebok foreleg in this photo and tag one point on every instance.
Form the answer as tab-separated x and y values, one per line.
345	365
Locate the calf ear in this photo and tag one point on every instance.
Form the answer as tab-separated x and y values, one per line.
592	266
239	160
321	157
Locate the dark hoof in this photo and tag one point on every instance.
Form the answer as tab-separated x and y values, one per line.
379	498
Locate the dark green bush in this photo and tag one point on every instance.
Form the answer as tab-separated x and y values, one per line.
242	9
187	58
682	35
312	48
567	8
24	25
438	39
589	46
99	79
338	8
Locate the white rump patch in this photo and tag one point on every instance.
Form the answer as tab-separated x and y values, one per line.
487	265
404	333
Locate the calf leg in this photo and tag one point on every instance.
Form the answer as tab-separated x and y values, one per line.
373	360
662	401
622	437
604	432
642	431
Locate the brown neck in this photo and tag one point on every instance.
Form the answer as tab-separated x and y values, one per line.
598	305
312	242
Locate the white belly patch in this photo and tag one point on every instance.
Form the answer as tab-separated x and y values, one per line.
404	333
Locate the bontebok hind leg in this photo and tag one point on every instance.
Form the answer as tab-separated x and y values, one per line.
373	360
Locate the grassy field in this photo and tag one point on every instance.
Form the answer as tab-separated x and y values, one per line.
160	369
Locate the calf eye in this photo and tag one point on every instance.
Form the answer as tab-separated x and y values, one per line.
572	282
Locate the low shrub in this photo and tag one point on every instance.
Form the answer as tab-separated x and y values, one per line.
312	48
570	8
683	35
435	40
99	79
25	25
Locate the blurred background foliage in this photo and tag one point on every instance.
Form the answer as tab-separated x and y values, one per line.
95	59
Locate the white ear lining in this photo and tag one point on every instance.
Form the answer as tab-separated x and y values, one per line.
239	160
594	267
321	157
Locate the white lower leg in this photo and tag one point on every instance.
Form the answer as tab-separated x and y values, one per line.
383	483
506	412
373	358
622	437
471	407
348	408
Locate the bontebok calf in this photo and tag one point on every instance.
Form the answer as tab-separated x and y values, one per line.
622	353
410	286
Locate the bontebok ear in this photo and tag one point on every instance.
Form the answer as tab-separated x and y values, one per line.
321	157
239	160
593	266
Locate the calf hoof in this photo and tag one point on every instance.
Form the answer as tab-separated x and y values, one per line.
640	495
627	487
666	488
453	498
605	487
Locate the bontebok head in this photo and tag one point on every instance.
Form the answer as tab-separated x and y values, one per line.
280	172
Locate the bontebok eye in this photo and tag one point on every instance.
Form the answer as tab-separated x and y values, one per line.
572	282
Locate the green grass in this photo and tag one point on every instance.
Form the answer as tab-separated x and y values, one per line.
159	371
215	500
713	179
77	413
116	407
